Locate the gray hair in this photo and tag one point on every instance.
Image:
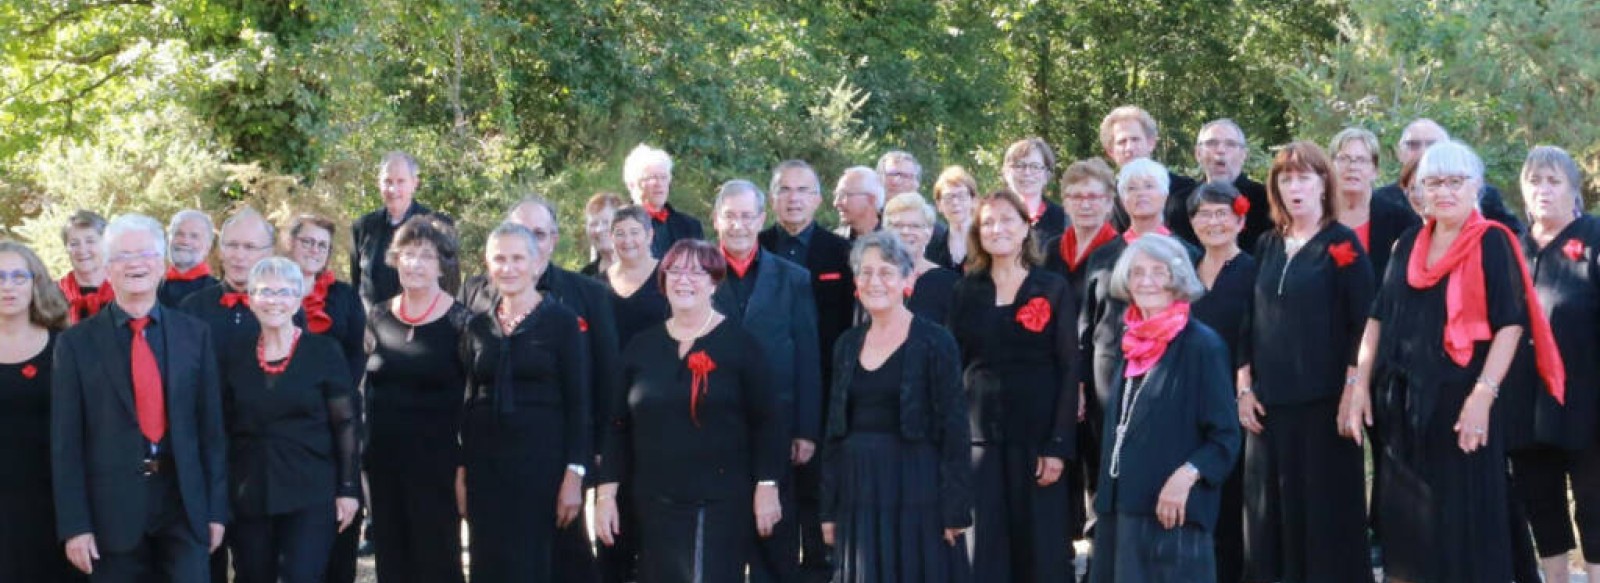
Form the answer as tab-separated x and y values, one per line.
644	156
737	187
1449	158
1143	168
511	229
897	156
888	246
248	213
633	213
401	157
786	165
1421	121
134	223
1354	134
1554	158
910	201
1221	122
187	215
534	198
281	268
1185	284
874	182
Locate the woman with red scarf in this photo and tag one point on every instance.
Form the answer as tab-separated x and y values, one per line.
1086	190
1455	304
1170	438
85	286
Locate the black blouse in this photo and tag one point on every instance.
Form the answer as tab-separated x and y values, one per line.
647	307
934	291
1226	306
875	396
1566	275
1386	222
542	365
348	329
653	441
291	436
412	386
1051	222
25	423
1308	315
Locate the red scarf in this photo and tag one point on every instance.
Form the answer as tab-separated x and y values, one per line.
659	214
1131	235
1147	338
1069	244
81	304
1038	211
739	267
1467	304
230	299
316	304
198	271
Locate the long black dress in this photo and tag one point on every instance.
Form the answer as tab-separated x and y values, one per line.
1225	309
413	393
1020	371
933	293
694	462
1444	511
526	422
29	548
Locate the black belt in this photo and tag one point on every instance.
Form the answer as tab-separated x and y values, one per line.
157	465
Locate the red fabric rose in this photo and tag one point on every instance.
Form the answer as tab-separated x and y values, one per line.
1343	253
30	371
1241	205
1034	315
700	366
1574	249
583	325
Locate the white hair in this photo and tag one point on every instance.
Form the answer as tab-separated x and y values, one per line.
1185	284
1143	168
873	182
281	268
644	156
133	223
187	215
1449	158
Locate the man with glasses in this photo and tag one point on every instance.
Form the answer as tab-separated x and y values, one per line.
371	275
796	194
138	453
189	238
1220	149
859	199
1415	140
648	173
771	297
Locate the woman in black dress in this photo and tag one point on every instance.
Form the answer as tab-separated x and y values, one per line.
897	473
1014	323
953	193
1435	379
293	474
695	435
32	312
85	286
413	395
930	286
525	435
1376	221
1217	211
1170	439
1560	442
1086	190
635	286
1305	510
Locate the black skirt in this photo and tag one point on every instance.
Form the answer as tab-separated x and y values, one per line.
1129	547
695	542
1009	541
888	525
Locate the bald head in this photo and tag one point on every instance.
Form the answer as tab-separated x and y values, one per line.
1416	138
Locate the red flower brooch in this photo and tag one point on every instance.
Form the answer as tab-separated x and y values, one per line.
583	325
1574	249
1343	253
1034	315
1241	205
700	366
30	371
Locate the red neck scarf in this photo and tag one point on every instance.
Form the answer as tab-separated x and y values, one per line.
739	267
316	304
1467	304
198	271
1147	338
232	298
87	305
1069	244
1131	235
658	214
1038	211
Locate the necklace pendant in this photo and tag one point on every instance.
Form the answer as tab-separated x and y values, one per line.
410	333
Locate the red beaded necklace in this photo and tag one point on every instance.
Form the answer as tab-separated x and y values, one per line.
269	368
413	322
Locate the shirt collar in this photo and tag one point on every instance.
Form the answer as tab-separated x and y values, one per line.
120	317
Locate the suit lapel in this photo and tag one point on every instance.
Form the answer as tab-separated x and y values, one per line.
115	365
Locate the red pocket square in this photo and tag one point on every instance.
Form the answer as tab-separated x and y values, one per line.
830	276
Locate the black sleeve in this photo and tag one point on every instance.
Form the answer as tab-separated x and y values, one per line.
213	435
616	443
1383	303
1356	289
949	407
807	362
1217	415
606	375
1502	275
575	397
1064	433
68	465
828	451
342	420
1494	209
768	443
353	341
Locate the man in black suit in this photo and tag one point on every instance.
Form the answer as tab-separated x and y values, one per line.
1415	140
795	236
189	238
1129	133
648	173
771	297
138	451
1220	149
372	276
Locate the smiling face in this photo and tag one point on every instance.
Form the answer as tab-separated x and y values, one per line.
879	283
83	248
1027	175
1001	230
796	194
135	266
650	187
1450	199
274	300
913	229
1354	167
1144	199
310	249
511	263
856	204
597	229
1088	202
631	240
1548	195
689	286
16	286
1220	150
1149	284
739	218
398	185
1216	225
244	242
190	244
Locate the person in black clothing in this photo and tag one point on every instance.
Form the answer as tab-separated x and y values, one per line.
952	194
930	288
1218	211
291	416
1417	137
1087	187
648	173
1170	437
413	382
1014	323
636	295
1129	133
897	491
526	443
85	284
1220	148
189	238
32	314
1303	483
373	278
698	436
1027	169
1377	222
1559	441
597	216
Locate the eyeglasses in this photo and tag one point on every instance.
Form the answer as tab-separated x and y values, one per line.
127	256
275	293
1343	160
1214	144
1083	198
1027	167
1214	215
312	244
904	226
237	246
417	256
742	219
1157	275
1437	182
1417	144
801	191
685	273
898	175
19	277
842	195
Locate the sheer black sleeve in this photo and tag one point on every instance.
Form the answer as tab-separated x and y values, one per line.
342	420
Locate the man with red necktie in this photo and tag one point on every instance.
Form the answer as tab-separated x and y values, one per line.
138	451
189	238
648	173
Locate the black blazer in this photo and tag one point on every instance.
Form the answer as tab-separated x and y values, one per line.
933	408
783	318
96	448
370	273
1387	222
171	293
832	287
1185	413
677	226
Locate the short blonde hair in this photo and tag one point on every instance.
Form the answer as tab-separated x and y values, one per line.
909	201
954	176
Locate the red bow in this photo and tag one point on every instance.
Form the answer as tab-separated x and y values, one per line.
231	299
1574	249
316	304
658	214
1343	253
1241	205
30	371
583	325
87	305
192	274
700	365
1034	315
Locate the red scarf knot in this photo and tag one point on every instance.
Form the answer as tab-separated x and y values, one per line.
1241	205
1069	244
738	266
1574	249
583	325
1147	337
231	299
30	371
700	366
1343	253
316	304
1467	302
88	305
657	214
1034	315
194	273
1131	235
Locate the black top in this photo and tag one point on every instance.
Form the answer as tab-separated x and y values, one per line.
1225	308
655	443
875	396
172	292
291	436
227	323
591	269
1050	224
1308	316
1566	276
348	329
1057	263
1490	203
1387	221
647	307
933	293
414	376
938	250
374	279
542	365
1022	383
677	226
25	424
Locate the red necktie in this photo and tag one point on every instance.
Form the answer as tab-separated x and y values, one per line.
231	299
148	398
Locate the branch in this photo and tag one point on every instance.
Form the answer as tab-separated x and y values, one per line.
81	93
80	12
88	59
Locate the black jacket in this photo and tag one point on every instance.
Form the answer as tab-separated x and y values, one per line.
832	287
781	315
374	279
677	226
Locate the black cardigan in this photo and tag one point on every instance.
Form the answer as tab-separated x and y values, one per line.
1569	293
933	408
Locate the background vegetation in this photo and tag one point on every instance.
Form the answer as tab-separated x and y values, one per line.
155	105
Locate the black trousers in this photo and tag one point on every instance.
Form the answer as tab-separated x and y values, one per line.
342	559
169	552
291	547
416	530
776	559
1539	482
808	502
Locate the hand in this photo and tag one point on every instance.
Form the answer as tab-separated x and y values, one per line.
827	533
800	451
1174	499
607	525
1048	470
768	510
217	530
1472	427
1250	413
569	502
82	552
1355	412
461	492
345	509
950	535
1083	406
